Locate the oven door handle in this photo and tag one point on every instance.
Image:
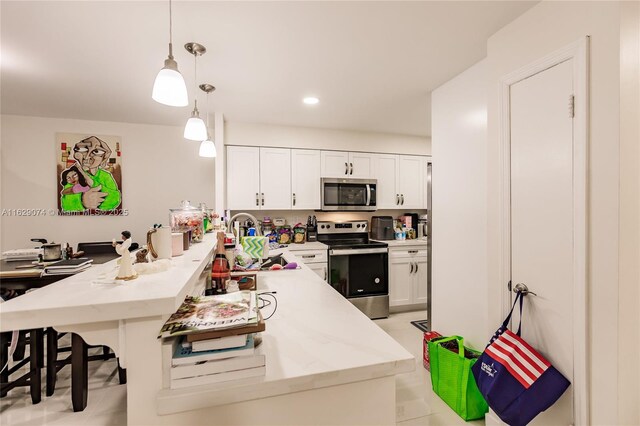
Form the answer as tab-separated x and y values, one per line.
346	252
368	203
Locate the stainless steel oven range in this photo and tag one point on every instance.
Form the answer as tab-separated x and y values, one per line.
358	268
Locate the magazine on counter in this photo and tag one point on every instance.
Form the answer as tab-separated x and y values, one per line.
205	313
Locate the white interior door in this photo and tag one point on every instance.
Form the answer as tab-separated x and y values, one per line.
542	219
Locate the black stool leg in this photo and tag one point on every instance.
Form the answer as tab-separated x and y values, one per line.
18	354
35	348
105	352
5	338
79	373
52	358
122	373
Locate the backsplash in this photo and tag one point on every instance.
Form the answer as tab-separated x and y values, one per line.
300	216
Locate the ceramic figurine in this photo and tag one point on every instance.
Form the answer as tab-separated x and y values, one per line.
126	271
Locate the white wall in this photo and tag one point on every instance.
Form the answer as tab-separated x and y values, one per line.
252	134
629	295
159	168
459	137
543	29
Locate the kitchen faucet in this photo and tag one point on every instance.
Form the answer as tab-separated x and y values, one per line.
250	216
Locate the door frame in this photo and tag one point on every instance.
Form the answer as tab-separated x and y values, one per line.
579	53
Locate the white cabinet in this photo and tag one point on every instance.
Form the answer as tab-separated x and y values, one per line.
258	178
243	178
305	179
401	181
316	260
386	172
407	276
411	181
275	178
346	164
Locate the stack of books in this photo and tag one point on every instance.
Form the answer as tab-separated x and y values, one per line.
68	266
215	339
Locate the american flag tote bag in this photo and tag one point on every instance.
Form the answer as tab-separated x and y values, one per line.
517	382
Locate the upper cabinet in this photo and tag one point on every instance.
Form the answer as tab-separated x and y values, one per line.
275	178
346	164
243	178
401	181
305	179
258	178
264	178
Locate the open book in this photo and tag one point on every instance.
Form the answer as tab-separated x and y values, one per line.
207	313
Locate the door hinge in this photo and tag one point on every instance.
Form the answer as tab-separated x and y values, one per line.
572	106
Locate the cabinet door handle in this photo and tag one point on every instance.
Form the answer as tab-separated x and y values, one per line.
416	268
294	198
257	199
351	172
346	168
263	198
397	199
411	268
402	197
325	274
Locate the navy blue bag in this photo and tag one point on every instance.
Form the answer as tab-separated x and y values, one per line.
516	381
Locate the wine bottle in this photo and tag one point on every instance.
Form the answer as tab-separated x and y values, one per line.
220	271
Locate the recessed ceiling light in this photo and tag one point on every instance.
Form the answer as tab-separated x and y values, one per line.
311	100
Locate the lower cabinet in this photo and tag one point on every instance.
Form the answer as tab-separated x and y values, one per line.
407	276
316	260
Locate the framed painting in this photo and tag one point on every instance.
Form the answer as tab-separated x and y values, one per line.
89	174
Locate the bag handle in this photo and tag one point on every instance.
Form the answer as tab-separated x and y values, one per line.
508	318
459	339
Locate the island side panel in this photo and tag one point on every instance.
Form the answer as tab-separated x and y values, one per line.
368	402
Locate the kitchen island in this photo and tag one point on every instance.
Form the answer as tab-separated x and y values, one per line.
326	362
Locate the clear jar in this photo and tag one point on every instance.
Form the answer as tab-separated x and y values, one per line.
188	217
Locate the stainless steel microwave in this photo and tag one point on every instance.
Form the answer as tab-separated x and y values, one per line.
338	194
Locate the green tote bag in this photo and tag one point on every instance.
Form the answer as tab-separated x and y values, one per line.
452	379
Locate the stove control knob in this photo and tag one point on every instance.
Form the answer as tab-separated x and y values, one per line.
358	225
364	225
322	226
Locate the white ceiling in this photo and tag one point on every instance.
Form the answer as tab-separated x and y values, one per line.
372	64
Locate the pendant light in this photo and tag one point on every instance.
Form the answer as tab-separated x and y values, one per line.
195	129
207	147
169	87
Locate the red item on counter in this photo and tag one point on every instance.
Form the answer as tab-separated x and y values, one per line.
429	335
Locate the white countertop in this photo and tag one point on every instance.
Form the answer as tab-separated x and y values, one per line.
314	245
93	295
316	338
405	243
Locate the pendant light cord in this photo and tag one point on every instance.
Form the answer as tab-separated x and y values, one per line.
170	33
195	77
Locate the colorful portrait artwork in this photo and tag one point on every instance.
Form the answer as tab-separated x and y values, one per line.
89	174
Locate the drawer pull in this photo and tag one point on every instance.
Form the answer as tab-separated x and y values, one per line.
308	256
413	251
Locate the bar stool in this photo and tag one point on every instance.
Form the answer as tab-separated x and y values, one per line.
35	360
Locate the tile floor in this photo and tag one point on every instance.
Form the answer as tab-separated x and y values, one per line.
107	401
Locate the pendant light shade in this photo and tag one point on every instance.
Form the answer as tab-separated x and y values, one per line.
195	129
169	87
208	149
